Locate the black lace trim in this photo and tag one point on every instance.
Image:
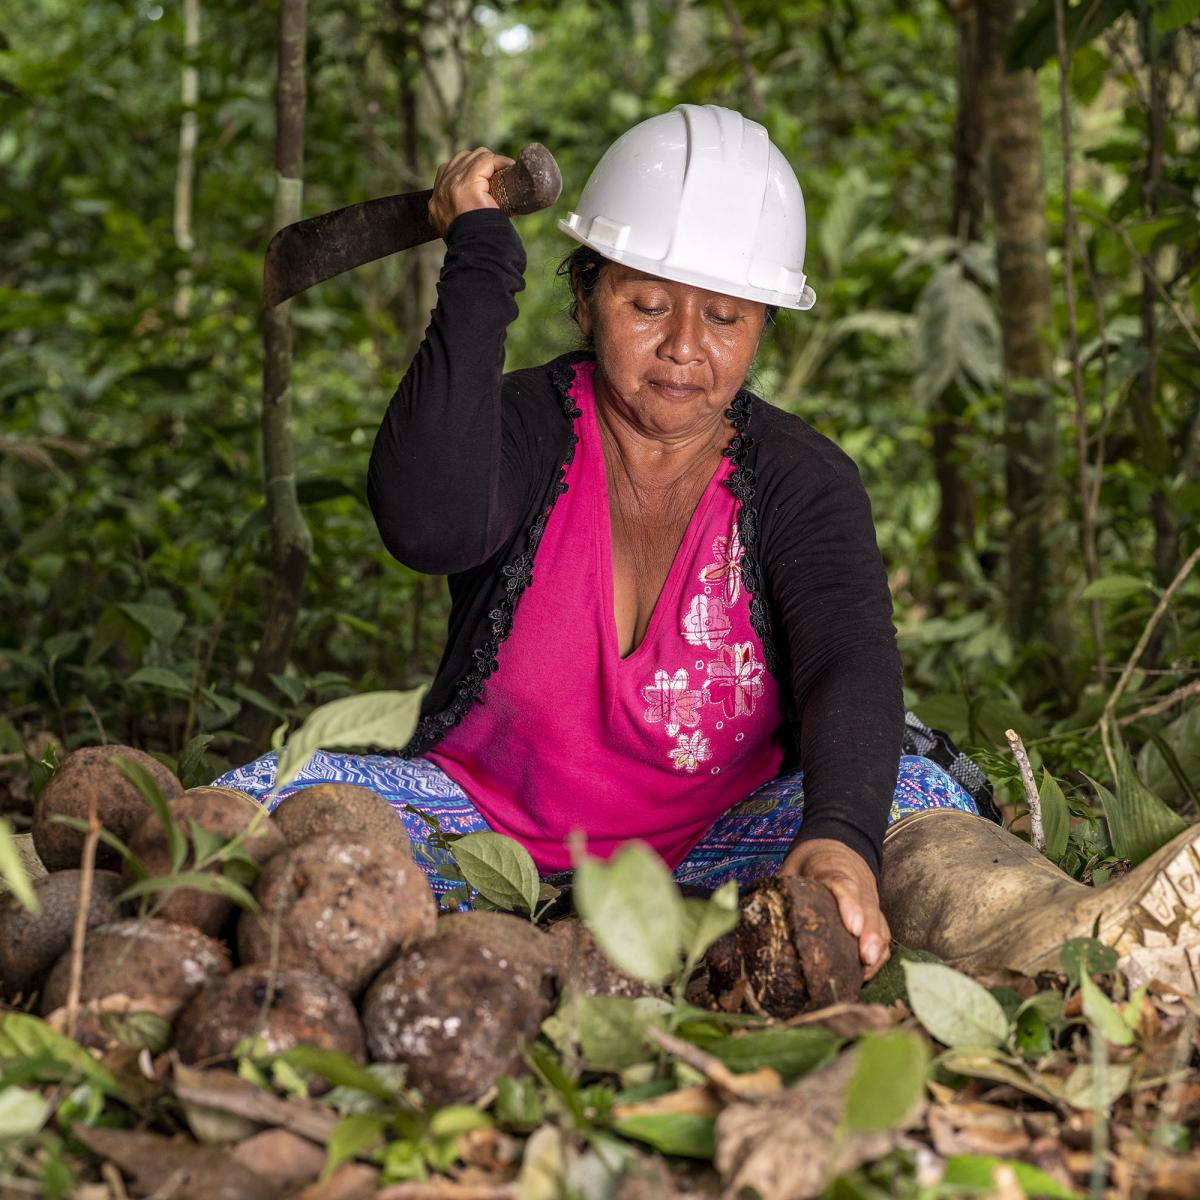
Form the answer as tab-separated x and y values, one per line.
743	483
518	575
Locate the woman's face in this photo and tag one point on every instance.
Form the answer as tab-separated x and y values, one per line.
669	356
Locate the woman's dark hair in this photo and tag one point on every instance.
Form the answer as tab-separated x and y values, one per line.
581	269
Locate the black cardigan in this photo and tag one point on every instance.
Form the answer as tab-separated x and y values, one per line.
469	461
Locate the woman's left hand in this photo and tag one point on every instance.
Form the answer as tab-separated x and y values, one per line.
852	883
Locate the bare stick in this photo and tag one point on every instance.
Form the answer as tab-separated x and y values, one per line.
79	933
1106	717
1087	511
1036	828
1162	703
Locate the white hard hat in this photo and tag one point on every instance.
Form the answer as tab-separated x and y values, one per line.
699	195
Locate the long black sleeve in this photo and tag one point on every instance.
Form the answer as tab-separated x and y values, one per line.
442	482
830	592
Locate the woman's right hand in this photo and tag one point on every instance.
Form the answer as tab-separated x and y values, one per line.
461	185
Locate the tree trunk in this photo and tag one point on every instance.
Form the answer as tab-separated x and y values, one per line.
185	173
956	503
1016	190
291	541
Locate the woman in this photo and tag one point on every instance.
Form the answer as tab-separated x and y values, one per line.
666	594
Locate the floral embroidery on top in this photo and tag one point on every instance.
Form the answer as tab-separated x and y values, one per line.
706	623
738	674
670	700
727	570
690	752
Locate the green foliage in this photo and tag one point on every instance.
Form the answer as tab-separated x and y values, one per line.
500	868
888	1081
953	1007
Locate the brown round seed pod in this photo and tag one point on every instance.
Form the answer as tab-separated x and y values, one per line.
509	936
302	1009
340	808
342	905
145	958
790	949
220	811
582	965
30	943
455	1013
88	773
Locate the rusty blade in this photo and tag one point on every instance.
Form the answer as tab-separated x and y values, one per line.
311	251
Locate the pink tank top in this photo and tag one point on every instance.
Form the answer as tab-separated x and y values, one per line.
657	745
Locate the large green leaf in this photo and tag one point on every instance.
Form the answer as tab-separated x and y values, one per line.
888	1080
1034	39
368	719
612	1029
500	868
791	1052
976	1175
12	869
958	335
1056	817
634	911
953	1007
1182	740
688	1135
1138	821
1116	587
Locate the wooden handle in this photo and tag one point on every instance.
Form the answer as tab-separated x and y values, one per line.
532	183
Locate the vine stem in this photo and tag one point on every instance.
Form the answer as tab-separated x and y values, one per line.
79	934
1037	828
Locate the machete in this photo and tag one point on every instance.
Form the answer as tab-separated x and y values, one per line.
321	247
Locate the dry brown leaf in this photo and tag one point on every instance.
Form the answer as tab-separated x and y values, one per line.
188	1171
351	1181
225	1092
786	1148
282	1157
976	1129
1155	1173
488	1149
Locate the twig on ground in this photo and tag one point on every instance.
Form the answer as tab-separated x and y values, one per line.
79	933
752	1085
1036	828
1106	717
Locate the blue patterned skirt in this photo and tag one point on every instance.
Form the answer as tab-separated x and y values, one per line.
747	843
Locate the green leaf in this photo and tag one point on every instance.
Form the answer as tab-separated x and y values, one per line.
370	719
1116	587
201	881
1090	1089
192	769
23	1035
1139	823
791	1052
12	869
518	1105
1034	39
339	1069
22	1112
704	921
1181	739
634	911
1082	956
162	624
977	1174
1101	1014
500	868
149	790
1056	816
205	844
888	1080
162	678
147	1029
1175	14
953	1007
687	1135
350	1136
612	1029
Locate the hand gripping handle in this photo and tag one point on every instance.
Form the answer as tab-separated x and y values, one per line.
532	183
